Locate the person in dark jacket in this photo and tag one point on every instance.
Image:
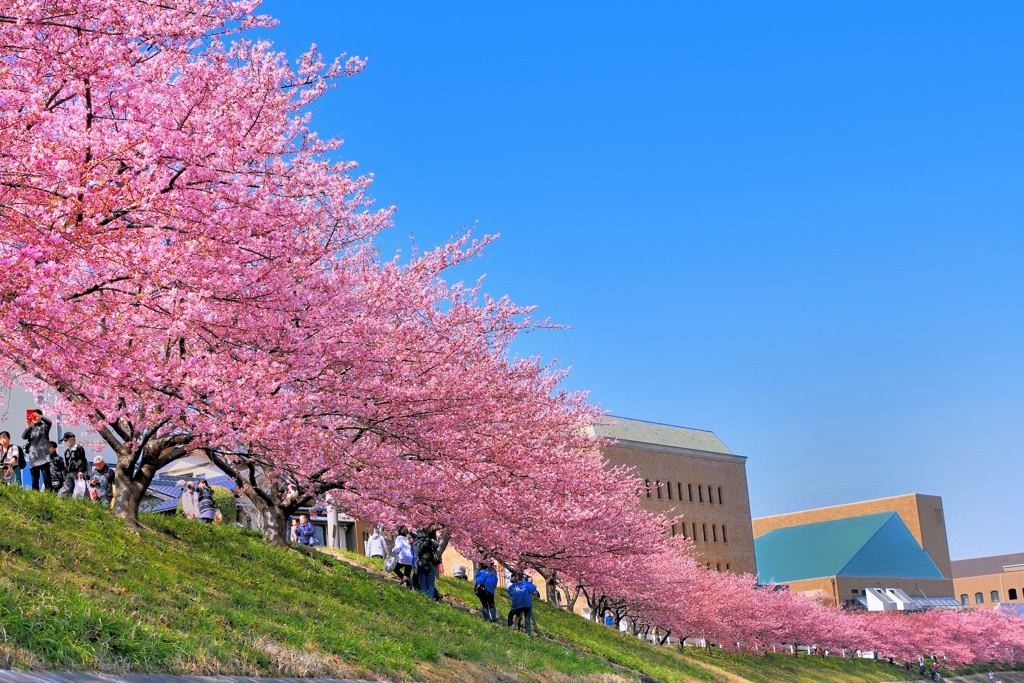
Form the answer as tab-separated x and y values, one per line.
204	501
37	451
70	466
429	549
101	481
305	532
56	468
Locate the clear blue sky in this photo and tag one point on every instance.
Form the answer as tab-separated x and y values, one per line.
797	225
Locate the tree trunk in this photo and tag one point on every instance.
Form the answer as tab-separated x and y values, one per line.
127	495
275	520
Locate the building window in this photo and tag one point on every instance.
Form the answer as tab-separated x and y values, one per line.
714	533
995	596
668	489
719	495
938	517
711	496
700	493
718	566
679	489
682	528
728	567
690	488
705	527
1013	593
657	486
647	485
725	537
979	599
965	599
673	529
695	531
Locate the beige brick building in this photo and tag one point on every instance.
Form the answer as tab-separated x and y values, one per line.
989	581
689	472
922	516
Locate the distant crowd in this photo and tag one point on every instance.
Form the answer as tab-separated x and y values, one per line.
67	474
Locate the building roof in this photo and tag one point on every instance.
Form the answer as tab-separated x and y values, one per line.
982	566
625	429
878	545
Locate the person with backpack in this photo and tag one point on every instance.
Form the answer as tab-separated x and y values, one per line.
204	502
12	461
429	550
66	469
37	434
484	585
101	482
521	593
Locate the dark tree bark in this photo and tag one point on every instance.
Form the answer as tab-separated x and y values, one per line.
139	457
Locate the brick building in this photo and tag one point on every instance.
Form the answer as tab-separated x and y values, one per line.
844	551
692	473
989	581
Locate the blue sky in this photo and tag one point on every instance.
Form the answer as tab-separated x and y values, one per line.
797	225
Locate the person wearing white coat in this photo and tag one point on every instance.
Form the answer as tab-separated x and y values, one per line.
404	557
377	545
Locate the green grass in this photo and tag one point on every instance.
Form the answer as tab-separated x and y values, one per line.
80	592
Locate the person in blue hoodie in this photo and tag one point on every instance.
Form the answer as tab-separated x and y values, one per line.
521	593
485	583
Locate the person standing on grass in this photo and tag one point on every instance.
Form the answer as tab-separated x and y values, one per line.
71	466
12	461
37	434
484	585
189	504
403	555
429	550
377	545
101	482
521	593
205	506
56	468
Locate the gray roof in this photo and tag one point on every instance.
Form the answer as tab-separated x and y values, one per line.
983	566
624	429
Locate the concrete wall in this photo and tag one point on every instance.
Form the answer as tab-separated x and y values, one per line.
681	469
922	514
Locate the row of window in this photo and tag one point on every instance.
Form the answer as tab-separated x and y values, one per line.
683	494
979	598
702	533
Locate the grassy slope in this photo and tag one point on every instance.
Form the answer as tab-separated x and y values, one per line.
77	591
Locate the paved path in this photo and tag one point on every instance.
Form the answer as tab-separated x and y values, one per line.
11	676
1004	676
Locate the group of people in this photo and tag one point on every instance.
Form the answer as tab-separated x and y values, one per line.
197	502
416	560
67	474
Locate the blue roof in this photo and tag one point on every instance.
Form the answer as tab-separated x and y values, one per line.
878	545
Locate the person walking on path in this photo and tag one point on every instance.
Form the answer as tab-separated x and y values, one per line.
484	585
101	481
37	434
71	466
403	556
521	593
205	506
306	532
12	461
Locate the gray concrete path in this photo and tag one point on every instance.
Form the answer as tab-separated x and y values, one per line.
11	676
1004	676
